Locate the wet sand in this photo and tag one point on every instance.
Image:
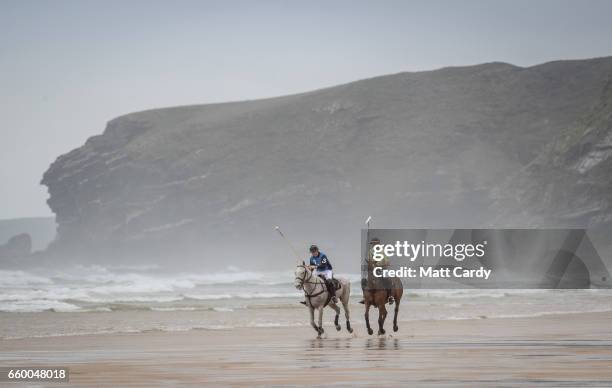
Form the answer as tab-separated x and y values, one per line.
557	350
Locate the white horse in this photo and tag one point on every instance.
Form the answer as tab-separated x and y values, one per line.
316	294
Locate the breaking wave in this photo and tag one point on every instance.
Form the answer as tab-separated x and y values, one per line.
96	288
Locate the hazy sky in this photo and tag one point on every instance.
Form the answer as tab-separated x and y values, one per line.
67	67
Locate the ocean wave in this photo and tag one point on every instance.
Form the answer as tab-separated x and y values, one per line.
44	289
474	293
244	295
97	288
37	305
21	278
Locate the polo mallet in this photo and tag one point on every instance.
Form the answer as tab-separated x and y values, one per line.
367	222
367	242
297	256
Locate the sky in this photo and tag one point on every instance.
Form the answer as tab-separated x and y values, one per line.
68	67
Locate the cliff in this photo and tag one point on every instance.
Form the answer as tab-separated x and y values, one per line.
433	148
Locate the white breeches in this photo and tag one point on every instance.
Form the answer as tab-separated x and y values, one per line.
327	274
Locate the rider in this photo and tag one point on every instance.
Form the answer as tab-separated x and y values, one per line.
384	263
321	266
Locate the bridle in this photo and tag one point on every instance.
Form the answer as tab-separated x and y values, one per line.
305	280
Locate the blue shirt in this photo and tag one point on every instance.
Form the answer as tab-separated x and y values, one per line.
321	262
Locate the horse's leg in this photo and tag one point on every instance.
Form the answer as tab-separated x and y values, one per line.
337	310
312	321
382	314
397	304
321	331
367	318
347	315
398	291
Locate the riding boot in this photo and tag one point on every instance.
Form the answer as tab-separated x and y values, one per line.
331	289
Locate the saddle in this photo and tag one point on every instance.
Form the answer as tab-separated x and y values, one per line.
335	283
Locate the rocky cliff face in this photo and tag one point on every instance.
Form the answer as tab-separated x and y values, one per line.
570	182
412	149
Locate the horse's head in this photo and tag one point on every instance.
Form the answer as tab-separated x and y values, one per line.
301	273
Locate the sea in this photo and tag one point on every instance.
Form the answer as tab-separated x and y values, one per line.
93	299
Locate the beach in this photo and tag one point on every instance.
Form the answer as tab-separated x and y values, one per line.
548	350
146	327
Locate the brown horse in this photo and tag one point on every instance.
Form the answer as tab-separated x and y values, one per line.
375	294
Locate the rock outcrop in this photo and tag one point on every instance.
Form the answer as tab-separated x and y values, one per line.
430	148
17	246
41	229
